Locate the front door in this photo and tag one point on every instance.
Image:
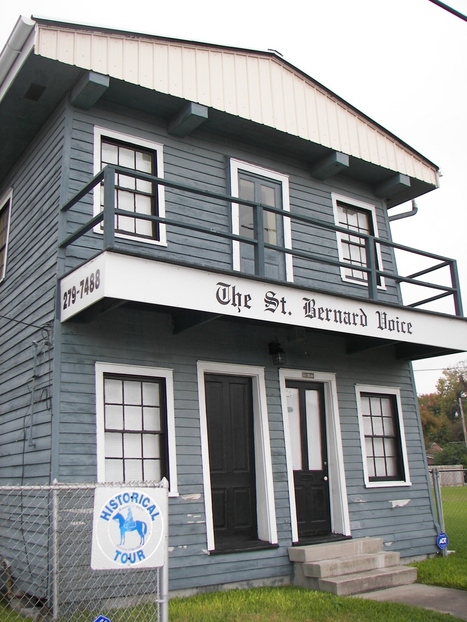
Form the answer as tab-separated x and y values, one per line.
229	410
306	418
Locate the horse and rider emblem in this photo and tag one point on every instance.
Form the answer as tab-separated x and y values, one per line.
129	524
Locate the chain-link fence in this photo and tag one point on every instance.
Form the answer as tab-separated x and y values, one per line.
45	558
450	492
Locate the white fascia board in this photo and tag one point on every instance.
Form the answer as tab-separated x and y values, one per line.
17	49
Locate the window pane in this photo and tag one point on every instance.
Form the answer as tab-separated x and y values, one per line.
132	446
152	419
132	194
151	394
151	447
382	445
152	470
143	429
313	427
113	445
293	418
144	162
113	391
109	153
114	471
132	392
133	418
114	417
133	471
126	157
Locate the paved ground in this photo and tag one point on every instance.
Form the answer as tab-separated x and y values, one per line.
443	599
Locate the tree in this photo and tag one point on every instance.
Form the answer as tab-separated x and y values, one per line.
440	411
454	453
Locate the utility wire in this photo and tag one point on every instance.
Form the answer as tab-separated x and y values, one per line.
449	9
12	319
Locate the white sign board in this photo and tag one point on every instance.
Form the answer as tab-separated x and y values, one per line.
123	277
129	528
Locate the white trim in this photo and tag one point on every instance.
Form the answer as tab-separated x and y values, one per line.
368	388
15	53
131	139
369	207
7	197
340	520
235	167
266	513
137	370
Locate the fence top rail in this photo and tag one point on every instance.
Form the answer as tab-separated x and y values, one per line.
79	486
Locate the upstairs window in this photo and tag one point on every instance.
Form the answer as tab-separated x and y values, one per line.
259	185
135	196
359	218
5	208
382	434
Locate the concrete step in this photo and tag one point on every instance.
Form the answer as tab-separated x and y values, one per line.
350	564
334	550
360	582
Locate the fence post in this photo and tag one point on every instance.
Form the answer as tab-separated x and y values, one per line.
164	571
55	606
439	503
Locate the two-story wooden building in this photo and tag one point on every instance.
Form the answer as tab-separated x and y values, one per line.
198	281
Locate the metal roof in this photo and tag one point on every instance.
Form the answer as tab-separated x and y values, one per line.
257	87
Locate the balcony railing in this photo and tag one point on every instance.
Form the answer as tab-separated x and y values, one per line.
437	264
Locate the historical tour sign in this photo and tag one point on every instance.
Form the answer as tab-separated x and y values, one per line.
129	528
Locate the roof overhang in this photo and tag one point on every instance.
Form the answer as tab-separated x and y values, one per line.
45	61
120	279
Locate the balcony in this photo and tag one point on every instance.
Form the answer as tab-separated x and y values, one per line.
193	271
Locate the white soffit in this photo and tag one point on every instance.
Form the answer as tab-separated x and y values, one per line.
252	85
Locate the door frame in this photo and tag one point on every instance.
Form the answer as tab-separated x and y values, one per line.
265	506
340	520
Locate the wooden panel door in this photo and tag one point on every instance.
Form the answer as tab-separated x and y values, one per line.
229	410
305	406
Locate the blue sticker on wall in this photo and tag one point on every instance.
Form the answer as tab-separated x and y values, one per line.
442	540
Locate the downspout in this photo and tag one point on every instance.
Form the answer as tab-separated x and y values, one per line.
412	212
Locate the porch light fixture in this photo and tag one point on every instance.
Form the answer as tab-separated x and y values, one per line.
277	353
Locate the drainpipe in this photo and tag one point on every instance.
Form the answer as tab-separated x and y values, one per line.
412	212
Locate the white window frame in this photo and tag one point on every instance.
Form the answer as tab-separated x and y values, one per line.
131	139
235	167
369	207
340	519
6	198
266	512
138	371
378	390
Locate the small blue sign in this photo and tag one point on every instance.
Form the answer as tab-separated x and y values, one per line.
442	541
101	619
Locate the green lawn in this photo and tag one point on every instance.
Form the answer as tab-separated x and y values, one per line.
450	571
292	604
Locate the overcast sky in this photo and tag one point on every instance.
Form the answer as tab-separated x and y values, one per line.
401	62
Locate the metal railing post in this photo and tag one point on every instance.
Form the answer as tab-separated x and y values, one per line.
456	285
109	207
371	263
258	218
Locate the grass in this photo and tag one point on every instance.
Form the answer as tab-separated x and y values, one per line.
450	571
292	604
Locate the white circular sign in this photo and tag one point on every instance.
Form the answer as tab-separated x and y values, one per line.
129	528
